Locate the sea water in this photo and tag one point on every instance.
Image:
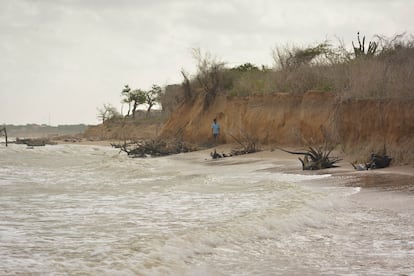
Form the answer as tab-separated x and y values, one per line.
73	209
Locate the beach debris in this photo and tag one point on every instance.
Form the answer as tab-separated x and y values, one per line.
379	161
360	166
376	161
35	142
216	155
242	151
233	152
247	144
316	158
153	148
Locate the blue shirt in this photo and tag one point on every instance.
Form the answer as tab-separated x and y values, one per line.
216	128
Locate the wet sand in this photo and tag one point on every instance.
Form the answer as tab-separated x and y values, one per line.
390	188
393	178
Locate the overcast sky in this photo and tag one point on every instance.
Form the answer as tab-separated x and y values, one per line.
61	59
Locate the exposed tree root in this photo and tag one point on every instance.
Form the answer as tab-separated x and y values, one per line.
316	158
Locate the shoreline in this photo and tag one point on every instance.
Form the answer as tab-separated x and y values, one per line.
380	178
390	188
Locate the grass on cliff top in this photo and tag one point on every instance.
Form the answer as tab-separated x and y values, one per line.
380	72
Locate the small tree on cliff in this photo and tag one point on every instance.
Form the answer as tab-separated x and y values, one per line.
210	75
126	93
152	96
138	97
133	98
107	112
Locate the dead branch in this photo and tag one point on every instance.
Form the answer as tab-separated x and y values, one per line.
248	144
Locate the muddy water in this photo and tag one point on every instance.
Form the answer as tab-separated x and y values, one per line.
71	209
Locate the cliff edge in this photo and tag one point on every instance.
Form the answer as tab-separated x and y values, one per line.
358	126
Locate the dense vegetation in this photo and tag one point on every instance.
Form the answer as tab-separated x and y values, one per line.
380	69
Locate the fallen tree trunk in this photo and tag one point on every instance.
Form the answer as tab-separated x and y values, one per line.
247	143
154	148
315	158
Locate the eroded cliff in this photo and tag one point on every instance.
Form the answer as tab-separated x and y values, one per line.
357	126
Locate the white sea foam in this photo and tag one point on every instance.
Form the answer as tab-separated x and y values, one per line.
73	209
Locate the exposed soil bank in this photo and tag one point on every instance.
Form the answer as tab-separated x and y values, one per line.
359	127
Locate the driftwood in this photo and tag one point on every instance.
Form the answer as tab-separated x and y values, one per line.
246	147
216	155
247	143
376	161
316	158
153	148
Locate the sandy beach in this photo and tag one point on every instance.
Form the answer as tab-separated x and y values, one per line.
393	179
389	188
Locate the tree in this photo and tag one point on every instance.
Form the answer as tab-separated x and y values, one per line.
138	97
107	112
152	96
210	75
126	92
133	98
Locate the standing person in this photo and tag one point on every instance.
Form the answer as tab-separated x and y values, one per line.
216	129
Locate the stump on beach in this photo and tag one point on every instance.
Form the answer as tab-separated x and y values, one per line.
316	158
